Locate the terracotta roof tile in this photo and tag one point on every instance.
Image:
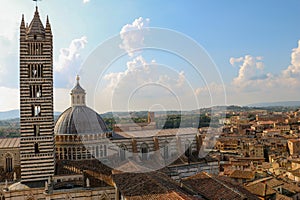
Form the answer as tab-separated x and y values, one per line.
152	185
260	189
242	174
205	185
282	197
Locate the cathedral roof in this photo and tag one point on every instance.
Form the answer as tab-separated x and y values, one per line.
36	26
79	120
10	143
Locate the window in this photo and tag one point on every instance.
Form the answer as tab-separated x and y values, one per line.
188	150
35	91
35	48
36	148
35	70
36	110
166	151
8	163
105	150
36	130
101	151
144	150
97	151
123	152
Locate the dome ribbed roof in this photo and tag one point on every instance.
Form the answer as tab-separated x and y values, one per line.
77	89
79	120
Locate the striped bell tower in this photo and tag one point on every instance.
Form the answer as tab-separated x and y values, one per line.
36	101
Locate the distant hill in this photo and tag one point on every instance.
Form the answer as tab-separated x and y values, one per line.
12	114
275	104
9	114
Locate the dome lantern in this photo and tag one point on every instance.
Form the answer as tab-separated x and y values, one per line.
78	94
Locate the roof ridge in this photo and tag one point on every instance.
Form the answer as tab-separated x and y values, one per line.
225	185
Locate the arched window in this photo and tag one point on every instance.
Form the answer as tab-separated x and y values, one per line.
123	150
97	151
74	153
65	153
8	163
187	148
105	151
78	99
166	150
69	153
145	151
79	152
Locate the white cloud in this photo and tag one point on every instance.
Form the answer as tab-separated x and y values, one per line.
235	60
86	1
144	84
293	71
68	55
254	85
251	71
69	62
132	35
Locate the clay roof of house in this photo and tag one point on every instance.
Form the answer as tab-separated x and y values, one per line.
240	174
260	189
216	187
291	187
282	197
295	172
274	182
151	185
10	143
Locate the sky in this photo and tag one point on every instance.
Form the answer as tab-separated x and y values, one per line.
250	52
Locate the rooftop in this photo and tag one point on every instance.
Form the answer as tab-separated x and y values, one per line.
10	143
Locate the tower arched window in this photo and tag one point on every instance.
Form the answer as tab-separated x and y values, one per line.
144	151
36	148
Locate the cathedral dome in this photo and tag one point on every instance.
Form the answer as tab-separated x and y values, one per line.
79	119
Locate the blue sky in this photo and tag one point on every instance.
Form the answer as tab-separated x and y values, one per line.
253	43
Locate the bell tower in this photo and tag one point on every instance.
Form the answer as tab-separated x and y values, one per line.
36	100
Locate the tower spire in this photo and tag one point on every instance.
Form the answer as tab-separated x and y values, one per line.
36	3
